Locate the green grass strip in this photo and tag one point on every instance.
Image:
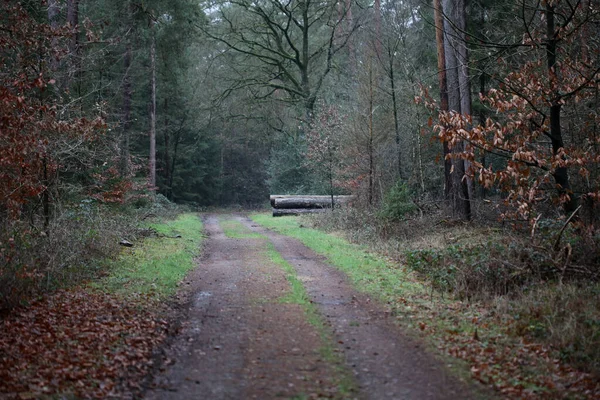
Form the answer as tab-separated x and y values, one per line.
156	265
236	230
298	295
370	273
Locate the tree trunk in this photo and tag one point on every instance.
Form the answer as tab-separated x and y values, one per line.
303	202
395	110
371	133
482	92
53	20
74	65
166	154
297	211
443	84
173	163
152	167
453	41
338	199
126	115
561	174
377	10
464	82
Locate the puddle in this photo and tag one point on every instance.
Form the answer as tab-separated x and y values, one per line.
202	298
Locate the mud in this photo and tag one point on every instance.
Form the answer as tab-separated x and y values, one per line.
239	341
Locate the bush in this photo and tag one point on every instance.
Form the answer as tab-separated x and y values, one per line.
72	249
397	203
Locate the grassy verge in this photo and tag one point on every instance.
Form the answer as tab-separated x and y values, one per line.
369	272
156	265
483	338
105	333
297	295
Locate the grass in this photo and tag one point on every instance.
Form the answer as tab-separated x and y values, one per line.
155	266
369	272
298	295
236	230
510	345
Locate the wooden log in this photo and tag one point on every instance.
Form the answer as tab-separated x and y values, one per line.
338	198
277	212
302	202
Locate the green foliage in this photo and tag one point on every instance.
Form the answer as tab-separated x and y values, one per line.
397	203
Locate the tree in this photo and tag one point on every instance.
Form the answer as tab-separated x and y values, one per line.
459	98
324	147
550	77
293	44
443	87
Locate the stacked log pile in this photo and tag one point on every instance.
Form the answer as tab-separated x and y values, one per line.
304	204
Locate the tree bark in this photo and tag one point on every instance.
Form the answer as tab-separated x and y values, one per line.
443	84
166	151
297	211
561	174
482	92
53	19
308	202
453	41
370	147
152	166
127	98
74	65
395	110
339	199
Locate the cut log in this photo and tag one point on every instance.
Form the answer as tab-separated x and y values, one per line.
302	202
296	211
316	198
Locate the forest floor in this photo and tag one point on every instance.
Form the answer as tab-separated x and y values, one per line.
266	317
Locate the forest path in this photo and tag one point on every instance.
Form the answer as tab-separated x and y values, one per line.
248	336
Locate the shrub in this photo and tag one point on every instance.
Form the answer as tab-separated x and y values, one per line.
397	203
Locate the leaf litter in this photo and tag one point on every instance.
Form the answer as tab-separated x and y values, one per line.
81	343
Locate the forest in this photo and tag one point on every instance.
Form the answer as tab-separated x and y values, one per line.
467	133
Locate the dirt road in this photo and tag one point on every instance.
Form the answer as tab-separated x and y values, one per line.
247	336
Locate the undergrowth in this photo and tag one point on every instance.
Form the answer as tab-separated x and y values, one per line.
36	260
480	294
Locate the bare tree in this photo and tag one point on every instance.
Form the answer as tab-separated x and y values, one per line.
292	43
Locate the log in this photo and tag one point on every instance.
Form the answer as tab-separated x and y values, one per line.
296	211
337	199
302	202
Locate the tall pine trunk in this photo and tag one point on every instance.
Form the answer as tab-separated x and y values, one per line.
443	84
392	77
127	99
459	98
371	137
152	162
74	64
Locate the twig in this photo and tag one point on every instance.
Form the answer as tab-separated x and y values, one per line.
564	227
568	252
534	225
419	207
